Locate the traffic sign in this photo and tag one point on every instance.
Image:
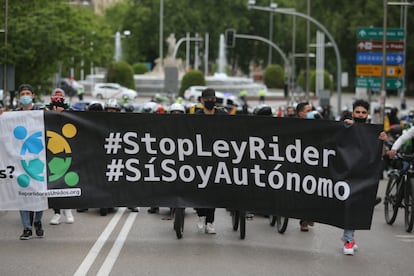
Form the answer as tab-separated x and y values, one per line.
391	83
377	33
376	71
376	46
376	58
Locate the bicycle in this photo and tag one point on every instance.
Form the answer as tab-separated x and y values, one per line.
238	218
280	222
400	191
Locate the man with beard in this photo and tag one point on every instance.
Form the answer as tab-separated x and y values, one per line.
360	110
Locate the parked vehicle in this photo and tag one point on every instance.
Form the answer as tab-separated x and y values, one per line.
113	90
193	93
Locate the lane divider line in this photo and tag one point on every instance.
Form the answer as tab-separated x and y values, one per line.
100	242
113	254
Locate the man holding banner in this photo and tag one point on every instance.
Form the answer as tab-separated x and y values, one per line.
206	215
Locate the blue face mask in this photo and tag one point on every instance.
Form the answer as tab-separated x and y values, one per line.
26	100
310	115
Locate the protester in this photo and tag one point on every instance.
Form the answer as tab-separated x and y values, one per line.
57	103
29	218
290	112
303	110
360	110
206	215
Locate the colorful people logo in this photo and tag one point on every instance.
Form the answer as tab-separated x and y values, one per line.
32	145
58	166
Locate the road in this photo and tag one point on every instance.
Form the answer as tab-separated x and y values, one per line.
126	243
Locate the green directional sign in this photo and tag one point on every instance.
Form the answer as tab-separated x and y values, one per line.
392	83
377	33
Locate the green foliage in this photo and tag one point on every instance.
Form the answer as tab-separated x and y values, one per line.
328	83
49	36
140	68
274	76
191	78
122	73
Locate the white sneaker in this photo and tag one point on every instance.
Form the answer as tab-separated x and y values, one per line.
55	219
201	223
210	229
69	216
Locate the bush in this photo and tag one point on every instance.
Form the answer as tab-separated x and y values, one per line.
191	78
328	83
122	73
140	68
274	76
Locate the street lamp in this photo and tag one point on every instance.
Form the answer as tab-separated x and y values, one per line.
272	6
251	5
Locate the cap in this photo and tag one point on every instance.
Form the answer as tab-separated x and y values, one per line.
208	93
25	87
58	91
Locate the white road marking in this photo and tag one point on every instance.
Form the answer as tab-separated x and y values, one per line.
97	247
109	262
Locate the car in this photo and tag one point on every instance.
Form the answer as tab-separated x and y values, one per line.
193	93
113	90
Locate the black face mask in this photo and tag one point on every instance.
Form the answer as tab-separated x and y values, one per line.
209	105
360	120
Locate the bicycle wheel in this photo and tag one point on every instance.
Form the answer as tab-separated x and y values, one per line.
281	224
235	216
390	200
408	202
272	220
179	222
242	224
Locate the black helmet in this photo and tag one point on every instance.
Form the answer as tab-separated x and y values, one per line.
95	106
263	110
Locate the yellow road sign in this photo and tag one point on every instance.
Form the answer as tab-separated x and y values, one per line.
376	71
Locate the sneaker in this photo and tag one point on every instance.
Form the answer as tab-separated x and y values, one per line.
39	229
103	211
350	248
304	226
153	210
134	209
201	223
55	219
27	234
210	229
377	200
69	216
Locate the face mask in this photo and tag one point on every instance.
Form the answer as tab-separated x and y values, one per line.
209	105
26	100
360	120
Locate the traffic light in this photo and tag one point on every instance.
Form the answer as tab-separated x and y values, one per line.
230	38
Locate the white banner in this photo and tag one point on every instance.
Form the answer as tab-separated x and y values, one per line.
23	181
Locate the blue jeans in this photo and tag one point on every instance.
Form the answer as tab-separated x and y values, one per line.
348	235
25	217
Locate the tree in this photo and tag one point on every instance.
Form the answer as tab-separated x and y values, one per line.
122	73
191	78
274	76
45	37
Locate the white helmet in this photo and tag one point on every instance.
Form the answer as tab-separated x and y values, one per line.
177	107
112	104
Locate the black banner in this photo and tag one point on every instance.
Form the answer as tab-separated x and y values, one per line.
314	169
